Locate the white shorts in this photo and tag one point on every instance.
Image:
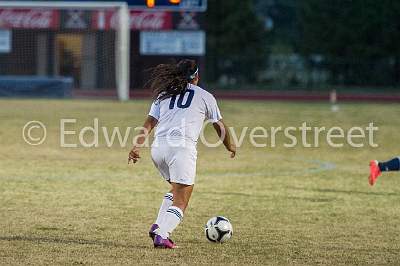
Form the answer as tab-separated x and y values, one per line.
175	164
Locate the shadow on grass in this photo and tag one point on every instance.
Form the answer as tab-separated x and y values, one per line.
311	199
314	199
348	192
234	194
71	241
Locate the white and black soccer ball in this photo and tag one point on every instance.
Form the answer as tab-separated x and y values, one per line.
218	229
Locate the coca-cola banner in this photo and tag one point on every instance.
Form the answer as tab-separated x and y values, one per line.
95	20
29	19
139	20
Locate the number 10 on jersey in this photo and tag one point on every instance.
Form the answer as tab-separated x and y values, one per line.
180	103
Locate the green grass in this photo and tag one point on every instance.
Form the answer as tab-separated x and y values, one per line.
87	206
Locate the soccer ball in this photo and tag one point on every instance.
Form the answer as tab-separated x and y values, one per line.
218	229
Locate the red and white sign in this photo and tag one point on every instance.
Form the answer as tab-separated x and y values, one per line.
139	20
28	19
101	20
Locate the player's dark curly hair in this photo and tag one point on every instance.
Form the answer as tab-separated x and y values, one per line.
167	80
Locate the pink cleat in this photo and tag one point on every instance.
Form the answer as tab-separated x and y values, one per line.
160	242
374	172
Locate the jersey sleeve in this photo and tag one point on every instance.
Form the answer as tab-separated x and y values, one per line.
213	113
155	110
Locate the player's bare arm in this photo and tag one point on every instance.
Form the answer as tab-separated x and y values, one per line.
149	124
224	134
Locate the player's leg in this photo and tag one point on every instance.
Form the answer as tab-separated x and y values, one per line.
182	169
165	204
174	214
391	165
182	194
157	155
376	168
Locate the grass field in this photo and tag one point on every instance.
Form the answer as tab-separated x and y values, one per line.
288	206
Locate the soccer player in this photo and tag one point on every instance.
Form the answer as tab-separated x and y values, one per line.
179	110
376	168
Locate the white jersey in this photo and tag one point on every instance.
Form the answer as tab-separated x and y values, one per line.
182	116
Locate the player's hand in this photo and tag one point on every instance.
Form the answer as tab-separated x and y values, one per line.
232	150
134	155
